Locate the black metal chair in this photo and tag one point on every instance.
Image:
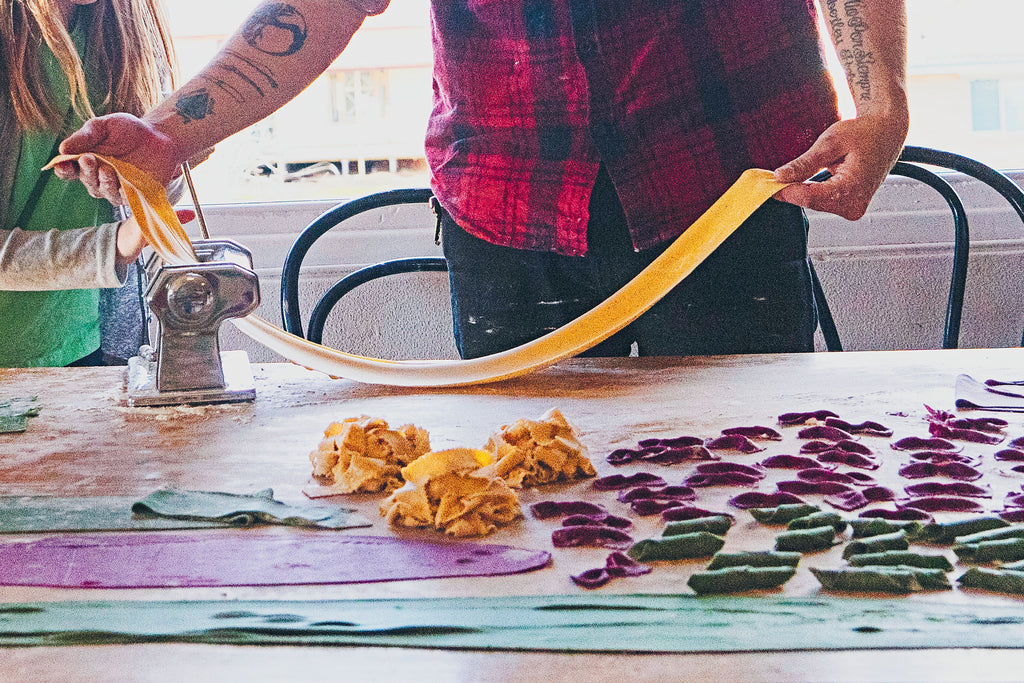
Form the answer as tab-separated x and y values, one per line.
290	314
908	166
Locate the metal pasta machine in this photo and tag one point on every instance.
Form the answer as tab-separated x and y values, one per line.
189	303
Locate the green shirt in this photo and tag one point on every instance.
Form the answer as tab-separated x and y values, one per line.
51	328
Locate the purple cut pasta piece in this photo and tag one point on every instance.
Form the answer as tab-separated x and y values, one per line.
867	427
1016	469
941	430
645	507
1014	500
546	509
942	504
723	467
621	456
1014	516
844	445
847	500
722	479
663	493
597	520
803	488
755	432
616	482
825	433
733	442
901	515
793	419
673	442
592	578
917	443
953	470
878	494
861	478
591	537
788	462
677	454
847	458
758	499
938	488
620	564
816	474
1017	443
941	456
1011	454
982	424
682	514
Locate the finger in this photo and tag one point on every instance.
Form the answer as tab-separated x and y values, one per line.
823	153
109	184
66	170
88	168
834	196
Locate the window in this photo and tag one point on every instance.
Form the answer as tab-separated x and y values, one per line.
358	95
985	105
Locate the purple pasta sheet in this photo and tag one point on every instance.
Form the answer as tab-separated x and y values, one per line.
825	433
616	482
942	504
846	458
681	514
901	515
759	499
617	565
723	467
755	432
793	419
1011	454
944	431
733	442
847	500
646	507
917	443
597	520
953	470
591	537
868	427
788	462
547	509
663	493
722	479
939	488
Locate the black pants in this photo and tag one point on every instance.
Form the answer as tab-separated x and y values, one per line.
752	295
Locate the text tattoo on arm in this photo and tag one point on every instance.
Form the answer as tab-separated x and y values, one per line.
277	29
846	22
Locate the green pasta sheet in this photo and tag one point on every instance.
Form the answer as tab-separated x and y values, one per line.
683	547
992	535
755	558
245	509
946	533
902	557
783	514
862	528
555	623
14	414
880	579
35	514
806	540
1002	550
739	579
1000	580
819	519
718	525
877	544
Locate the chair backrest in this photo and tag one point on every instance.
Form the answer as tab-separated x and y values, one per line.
290	313
908	166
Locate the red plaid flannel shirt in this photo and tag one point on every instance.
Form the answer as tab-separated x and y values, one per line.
675	97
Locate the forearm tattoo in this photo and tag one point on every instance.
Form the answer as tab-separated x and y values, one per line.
276	29
846	22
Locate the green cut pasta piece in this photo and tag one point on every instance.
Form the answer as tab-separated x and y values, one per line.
946	533
881	579
684	547
833	519
862	528
783	514
993	535
718	525
902	557
1003	550
996	580
806	540
760	558
737	579
1016	566
877	544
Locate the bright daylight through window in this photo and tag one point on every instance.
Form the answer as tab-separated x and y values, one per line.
359	128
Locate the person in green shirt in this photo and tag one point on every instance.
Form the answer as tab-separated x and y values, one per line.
63	61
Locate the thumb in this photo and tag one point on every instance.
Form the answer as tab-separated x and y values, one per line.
85	139
821	155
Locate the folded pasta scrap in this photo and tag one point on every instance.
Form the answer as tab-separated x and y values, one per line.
456	491
534	452
365	455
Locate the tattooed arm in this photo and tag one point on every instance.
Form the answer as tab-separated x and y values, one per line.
279	50
871	39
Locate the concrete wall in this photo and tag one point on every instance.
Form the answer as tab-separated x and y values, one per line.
886	276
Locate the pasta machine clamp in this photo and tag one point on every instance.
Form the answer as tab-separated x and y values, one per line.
190	302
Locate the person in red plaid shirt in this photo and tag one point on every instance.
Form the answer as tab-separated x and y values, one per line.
572	140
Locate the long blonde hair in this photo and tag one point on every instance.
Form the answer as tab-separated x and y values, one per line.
130	52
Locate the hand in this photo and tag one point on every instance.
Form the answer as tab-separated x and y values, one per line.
858	152
130	240
124	137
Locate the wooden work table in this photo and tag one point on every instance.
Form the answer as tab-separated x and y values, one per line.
86	442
